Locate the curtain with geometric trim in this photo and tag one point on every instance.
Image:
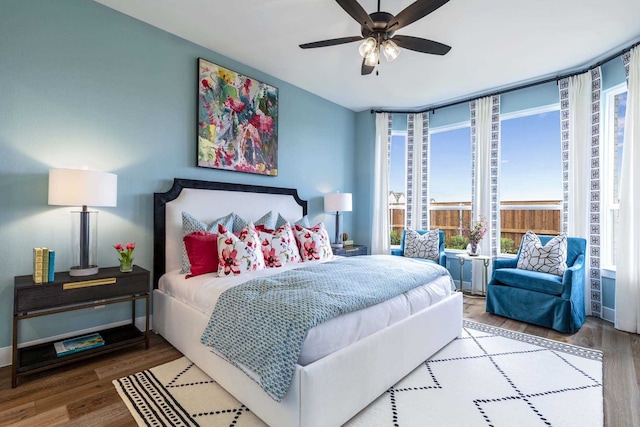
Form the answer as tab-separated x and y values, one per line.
417	179
485	162
580	108
380	240
628	259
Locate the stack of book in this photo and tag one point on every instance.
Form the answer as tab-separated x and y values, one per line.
75	345
44	260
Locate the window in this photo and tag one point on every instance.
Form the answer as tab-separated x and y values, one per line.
614	112
397	184
450	182
530	175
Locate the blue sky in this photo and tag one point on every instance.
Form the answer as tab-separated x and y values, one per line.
530	163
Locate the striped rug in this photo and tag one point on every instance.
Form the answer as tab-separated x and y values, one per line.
487	377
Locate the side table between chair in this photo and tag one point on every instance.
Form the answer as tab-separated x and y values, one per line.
462	258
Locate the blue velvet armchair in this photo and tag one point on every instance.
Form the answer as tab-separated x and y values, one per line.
442	260
543	299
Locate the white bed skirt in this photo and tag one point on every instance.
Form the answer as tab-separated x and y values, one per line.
345	381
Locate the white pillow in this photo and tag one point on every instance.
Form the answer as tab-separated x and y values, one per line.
239	254
425	246
279	247
313	243
550	258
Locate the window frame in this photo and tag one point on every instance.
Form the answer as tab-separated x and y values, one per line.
608	168
448	128
515	115
405	134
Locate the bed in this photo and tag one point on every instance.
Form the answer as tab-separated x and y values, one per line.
322	391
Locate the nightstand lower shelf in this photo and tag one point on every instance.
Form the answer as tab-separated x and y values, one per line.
43	356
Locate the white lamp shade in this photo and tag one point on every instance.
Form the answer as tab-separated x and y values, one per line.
79	187
337	202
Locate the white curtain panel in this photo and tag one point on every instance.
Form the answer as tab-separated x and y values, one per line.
628	262
380	244
579	154
482	191
579	166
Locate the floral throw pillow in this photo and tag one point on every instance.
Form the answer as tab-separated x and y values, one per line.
313	243
550	258
279	247
425	246
239	254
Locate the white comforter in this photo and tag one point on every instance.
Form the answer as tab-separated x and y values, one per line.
202	293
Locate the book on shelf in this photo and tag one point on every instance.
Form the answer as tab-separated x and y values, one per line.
74	345
44	261
45	265
52	266
347	243
37	265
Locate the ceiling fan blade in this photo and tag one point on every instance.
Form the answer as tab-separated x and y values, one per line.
353	8
413	12
331	42
421	45
366	69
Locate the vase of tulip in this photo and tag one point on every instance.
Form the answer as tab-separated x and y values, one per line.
125	256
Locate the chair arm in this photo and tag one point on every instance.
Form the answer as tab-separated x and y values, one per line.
573	280
397	252
501	263
505	263
442	259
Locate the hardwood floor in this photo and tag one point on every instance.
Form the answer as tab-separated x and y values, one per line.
82	394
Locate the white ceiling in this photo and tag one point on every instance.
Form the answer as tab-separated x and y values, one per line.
495	43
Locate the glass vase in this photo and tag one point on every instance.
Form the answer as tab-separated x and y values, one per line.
473	249
126	265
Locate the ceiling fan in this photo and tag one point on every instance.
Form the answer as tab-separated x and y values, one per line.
378	32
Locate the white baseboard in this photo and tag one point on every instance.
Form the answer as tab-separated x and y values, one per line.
6	352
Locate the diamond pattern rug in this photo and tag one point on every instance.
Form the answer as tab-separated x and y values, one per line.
487	377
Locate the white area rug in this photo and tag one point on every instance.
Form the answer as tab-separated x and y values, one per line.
487	377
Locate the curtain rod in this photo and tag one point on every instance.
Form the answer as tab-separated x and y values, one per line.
513	88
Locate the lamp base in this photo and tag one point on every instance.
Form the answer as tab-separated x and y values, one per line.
89	271
336	245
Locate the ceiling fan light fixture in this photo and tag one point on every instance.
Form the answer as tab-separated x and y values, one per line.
390	50
368	46
372	59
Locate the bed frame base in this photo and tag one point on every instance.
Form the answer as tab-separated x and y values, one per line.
322	393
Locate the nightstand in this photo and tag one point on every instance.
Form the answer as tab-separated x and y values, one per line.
353	250
67	293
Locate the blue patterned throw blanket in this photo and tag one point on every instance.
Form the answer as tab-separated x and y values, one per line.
261	324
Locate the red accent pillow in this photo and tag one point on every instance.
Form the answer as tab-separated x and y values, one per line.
202	250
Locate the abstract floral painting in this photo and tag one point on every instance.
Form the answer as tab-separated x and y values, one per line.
237	121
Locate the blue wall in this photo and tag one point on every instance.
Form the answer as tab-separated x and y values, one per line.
83	85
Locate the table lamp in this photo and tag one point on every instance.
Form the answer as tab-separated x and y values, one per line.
337	202
79	187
